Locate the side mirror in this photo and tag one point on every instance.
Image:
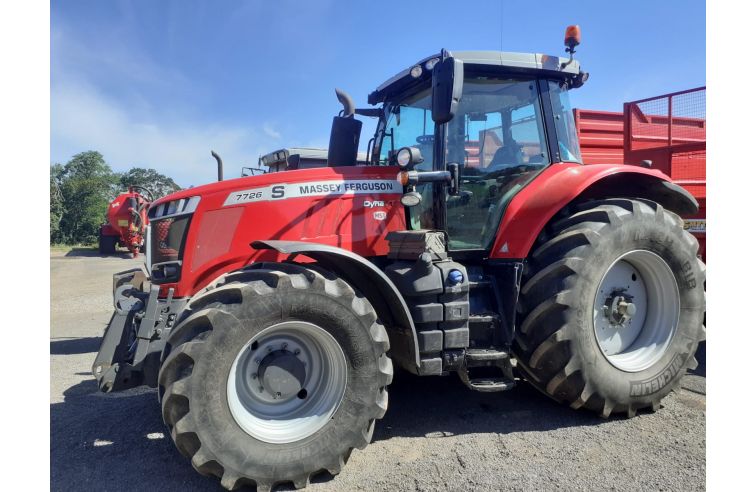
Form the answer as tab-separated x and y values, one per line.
448	77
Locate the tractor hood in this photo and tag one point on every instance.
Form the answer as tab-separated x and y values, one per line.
201	232
286	179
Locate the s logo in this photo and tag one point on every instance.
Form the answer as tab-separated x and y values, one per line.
277	191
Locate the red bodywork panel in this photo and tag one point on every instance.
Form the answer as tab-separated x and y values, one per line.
349	207
127	219
532	208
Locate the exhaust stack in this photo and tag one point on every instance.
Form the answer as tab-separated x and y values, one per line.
345	134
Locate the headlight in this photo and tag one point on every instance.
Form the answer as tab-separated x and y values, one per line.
403	157
407	157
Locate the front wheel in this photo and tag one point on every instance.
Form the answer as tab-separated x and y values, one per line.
612	307
273	374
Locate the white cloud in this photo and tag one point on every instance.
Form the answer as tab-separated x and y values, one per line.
137	127
82	119
271	132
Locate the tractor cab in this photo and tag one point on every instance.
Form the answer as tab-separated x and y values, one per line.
506	117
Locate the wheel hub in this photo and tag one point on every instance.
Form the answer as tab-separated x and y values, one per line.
287	382
281	374
619	309
636	310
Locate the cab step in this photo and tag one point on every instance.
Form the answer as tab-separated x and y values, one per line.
490	385
487	370
485	355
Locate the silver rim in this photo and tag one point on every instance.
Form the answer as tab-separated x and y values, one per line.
287	382
636	310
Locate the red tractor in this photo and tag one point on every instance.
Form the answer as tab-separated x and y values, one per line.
274	309
126	221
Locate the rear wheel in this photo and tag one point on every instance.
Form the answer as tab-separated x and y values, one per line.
273	374
107	244
611	308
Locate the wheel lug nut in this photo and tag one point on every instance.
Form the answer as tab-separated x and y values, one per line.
262	389
257	361
254	376
296	352
284	345
269	349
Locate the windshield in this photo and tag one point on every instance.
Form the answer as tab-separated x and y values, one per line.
564	120
409	124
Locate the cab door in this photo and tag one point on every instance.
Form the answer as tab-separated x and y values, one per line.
499	139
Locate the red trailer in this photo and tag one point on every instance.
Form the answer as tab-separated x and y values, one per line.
667	130
126	222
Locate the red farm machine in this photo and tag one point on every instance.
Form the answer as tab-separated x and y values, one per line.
274	309
126	222
666	132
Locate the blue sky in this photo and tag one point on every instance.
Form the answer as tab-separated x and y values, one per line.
160	83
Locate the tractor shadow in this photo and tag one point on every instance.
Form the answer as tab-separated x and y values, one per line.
438	407
118	441
115	442
70	346
94	253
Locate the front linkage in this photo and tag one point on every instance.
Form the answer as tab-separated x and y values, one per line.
131	347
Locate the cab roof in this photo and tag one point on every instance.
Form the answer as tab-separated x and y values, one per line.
536	63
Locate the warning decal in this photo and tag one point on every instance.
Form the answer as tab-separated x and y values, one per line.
695	225
314	188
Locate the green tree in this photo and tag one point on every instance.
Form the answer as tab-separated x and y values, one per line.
158	184
56	203
87	185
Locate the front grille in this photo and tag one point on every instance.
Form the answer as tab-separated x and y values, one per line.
169	225
167	238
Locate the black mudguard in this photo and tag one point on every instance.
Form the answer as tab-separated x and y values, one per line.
373	284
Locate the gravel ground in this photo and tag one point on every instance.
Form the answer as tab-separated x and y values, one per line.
437	435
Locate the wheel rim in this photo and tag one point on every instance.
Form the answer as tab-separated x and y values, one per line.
287	382
636	310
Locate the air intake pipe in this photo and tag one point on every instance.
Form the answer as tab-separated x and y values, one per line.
345	134
220	164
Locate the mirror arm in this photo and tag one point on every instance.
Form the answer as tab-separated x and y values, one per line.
450	177
417	177
454	174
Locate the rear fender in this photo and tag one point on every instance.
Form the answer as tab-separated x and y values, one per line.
562	184
383	295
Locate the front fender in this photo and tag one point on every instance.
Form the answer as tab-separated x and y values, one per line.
561	184
373	284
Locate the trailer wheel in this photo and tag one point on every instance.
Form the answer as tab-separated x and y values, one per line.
273	374
612	307
107	244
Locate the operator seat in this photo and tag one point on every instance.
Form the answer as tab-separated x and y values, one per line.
508	155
